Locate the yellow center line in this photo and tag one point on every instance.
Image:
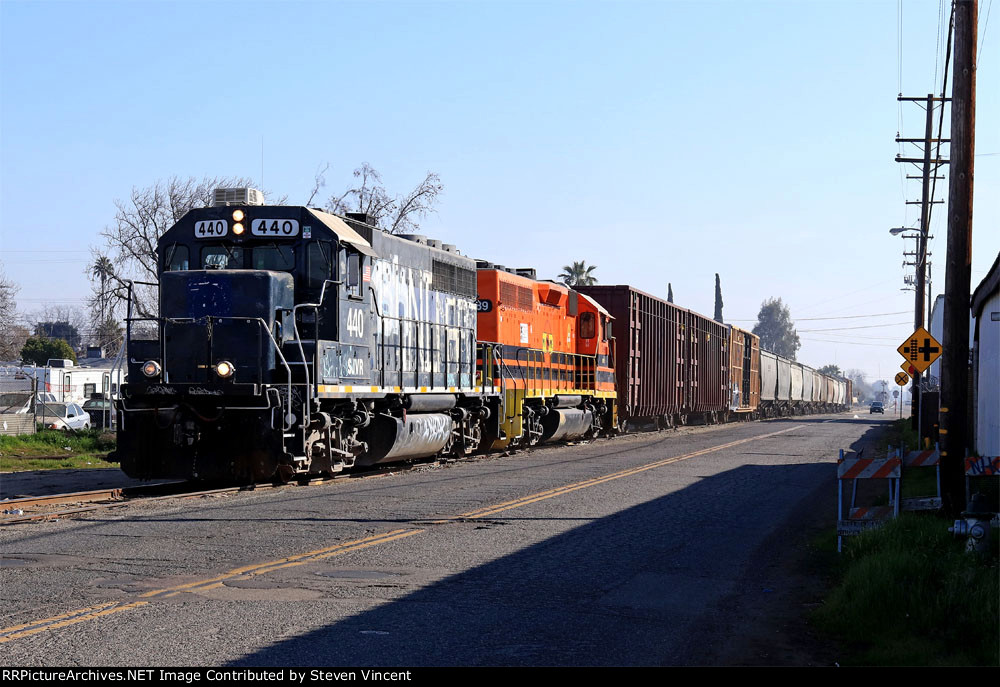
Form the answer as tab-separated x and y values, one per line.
559	491
258	567
39	627
65	619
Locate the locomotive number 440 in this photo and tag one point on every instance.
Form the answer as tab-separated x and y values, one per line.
274	227
211	228
355	322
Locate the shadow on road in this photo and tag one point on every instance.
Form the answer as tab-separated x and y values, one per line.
627	589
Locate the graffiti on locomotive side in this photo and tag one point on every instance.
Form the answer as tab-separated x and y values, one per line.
352	367
431	330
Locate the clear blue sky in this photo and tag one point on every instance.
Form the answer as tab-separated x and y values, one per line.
661	141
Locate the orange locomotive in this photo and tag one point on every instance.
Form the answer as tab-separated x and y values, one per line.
550	353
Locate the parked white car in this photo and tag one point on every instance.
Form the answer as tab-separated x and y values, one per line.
64	416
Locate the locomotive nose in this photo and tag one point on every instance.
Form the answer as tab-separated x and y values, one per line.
218	324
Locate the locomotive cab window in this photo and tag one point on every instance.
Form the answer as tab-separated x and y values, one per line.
588	325
176	258
221	257
319	263
274	257
353	283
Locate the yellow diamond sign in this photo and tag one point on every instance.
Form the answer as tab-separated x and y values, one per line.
920	349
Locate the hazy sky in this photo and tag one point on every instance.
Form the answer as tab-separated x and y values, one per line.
661	141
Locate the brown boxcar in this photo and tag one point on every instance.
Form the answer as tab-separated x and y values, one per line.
744	378
670	362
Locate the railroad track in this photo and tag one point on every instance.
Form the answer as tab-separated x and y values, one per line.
34	508
49	507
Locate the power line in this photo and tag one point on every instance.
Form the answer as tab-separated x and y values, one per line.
842	317
982	38
840	329
846	343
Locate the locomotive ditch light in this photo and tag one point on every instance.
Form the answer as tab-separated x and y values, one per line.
151	368
238	215
225	369
237	228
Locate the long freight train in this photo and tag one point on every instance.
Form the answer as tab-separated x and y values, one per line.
292	342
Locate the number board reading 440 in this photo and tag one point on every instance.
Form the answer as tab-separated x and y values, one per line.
281	228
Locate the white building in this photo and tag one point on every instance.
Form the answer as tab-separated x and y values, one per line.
986	363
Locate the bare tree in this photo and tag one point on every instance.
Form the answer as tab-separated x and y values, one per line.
319	182
65	322
12	334
130	241
396	215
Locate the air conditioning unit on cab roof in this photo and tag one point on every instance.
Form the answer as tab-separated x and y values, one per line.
238	196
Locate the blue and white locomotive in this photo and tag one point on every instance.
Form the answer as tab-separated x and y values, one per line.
290	341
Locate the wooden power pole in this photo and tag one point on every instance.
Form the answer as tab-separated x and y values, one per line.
958	272
929	170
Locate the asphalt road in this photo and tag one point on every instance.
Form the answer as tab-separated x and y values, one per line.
607	553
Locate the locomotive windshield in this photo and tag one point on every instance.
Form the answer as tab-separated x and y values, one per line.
177	258
274	257
221	257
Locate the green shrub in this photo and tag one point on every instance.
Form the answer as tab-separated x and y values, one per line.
910	595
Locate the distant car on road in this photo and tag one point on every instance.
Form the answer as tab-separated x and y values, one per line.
876	407
64	416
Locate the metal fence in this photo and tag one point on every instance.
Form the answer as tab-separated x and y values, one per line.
17	423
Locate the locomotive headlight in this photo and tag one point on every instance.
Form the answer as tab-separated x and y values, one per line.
238	215
151	368
225	369
237	228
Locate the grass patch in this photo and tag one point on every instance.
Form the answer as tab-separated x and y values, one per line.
51	449
909	595
918	482
899	433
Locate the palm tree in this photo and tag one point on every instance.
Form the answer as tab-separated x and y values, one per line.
103	269
578	274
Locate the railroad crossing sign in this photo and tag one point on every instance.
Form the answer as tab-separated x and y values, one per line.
920	349
902	379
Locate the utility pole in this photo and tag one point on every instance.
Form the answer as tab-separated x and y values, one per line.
958	270
929	171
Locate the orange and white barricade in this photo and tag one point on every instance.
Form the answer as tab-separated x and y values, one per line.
929	458
861	518
980	466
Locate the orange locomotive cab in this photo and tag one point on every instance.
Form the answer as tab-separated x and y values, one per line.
548	349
